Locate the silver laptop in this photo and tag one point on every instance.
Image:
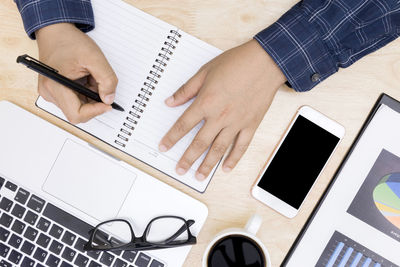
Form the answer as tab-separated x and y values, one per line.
54	188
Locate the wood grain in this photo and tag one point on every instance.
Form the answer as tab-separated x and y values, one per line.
346	97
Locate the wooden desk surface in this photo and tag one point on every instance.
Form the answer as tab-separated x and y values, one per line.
346	97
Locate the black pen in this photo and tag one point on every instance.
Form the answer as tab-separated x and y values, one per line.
53	74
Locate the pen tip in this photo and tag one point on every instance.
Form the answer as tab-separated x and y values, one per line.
117	107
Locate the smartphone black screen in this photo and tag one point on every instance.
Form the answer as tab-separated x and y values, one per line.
298	162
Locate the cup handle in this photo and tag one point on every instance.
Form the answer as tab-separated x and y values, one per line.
253	224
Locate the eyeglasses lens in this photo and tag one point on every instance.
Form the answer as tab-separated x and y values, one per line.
112	235
165	230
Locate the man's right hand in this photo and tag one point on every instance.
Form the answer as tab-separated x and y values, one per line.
75	55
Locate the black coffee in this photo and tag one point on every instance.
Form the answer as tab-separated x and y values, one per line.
236	251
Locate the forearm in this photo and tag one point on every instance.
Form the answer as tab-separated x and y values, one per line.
313	40
38	14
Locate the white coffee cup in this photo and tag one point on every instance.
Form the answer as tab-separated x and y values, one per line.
249	231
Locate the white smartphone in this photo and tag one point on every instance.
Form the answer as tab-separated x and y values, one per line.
297	161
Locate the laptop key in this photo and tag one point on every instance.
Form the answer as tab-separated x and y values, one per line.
52	261
156	263
129	255
15	257
64	264
56	247
6	220
11	186
27	262
56	231
15	241
68	238
93	254
107	258
4	263
68	254
2	180
4	250
27	247
116	243
81	261
120	263
43	224
18	210
36	203
43	240
4	233
18	227
5	204
94	264
22	196
40	254
80	244
143	260
31	233
30	217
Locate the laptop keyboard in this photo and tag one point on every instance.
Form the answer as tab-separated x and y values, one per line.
34	232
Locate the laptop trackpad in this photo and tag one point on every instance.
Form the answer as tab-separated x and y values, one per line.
89	181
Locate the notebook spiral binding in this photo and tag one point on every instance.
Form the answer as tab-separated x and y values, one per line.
149	86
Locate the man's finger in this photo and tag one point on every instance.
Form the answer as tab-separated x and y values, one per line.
216	152
182	126
90	110
69	102
239	147
104	75
188	90
199	145
43	90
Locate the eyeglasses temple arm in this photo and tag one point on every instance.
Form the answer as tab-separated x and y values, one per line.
181	230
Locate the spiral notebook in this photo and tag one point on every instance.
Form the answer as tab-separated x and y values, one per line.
152	59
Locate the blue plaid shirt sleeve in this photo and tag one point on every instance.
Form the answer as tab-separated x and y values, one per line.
39	13
317	37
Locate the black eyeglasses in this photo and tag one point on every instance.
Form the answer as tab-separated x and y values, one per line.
161	232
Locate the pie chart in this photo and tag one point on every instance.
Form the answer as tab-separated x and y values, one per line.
386	196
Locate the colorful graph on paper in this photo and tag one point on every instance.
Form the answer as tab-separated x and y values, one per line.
377	202
387	198
342	251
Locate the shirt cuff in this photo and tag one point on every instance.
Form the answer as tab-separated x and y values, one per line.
38	14
298	49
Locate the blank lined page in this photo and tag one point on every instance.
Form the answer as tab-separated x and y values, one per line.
130	40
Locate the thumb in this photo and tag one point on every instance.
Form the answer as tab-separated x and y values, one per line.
105	78
187	91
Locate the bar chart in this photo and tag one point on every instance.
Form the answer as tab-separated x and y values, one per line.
342	251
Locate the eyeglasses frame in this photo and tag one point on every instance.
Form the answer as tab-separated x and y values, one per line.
140	243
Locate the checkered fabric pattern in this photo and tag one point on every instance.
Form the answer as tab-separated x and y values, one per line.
317	37
39	13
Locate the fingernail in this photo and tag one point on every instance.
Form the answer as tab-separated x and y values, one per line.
162	148
109	99
180	171
200	176
170	100
226	169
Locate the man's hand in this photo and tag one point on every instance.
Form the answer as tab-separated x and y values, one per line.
75	55
233	92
